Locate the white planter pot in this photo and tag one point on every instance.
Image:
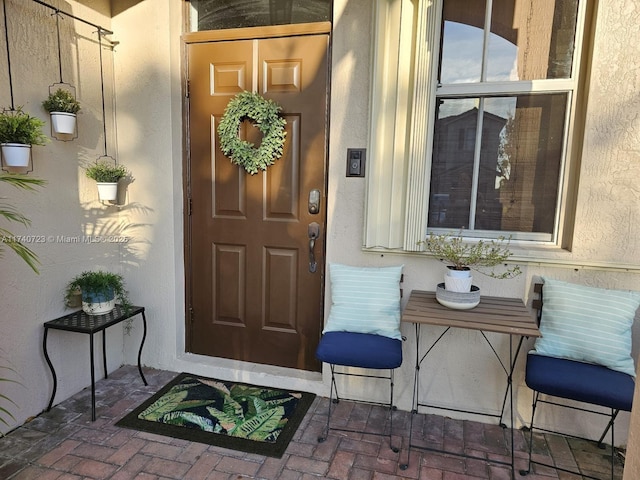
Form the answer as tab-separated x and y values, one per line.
99	308
16	154
63	122
107	191
98	304
458	284
458	280
458	300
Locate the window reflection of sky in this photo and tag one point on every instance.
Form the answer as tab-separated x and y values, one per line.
461	63
462	55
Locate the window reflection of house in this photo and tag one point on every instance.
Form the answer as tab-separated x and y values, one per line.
453	170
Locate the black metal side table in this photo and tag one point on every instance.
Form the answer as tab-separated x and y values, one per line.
81	322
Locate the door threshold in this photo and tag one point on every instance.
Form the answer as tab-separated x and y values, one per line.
254	373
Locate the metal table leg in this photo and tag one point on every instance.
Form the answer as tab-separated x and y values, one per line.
53	372
93	380
144	336
104	353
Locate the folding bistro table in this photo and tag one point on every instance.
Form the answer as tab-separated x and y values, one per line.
508	316
81	322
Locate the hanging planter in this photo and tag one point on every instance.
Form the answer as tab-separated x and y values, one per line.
264	115
16	154
64	123
62	106
106	176
18	132
107	191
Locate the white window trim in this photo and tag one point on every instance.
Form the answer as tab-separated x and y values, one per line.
403	97
402	105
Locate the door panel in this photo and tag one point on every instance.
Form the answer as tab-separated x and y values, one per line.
253	296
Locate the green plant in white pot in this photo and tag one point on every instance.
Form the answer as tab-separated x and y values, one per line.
464	256
18	132
106	175
62	106
100	291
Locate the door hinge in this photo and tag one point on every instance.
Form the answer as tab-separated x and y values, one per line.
189	207
191	315
188	92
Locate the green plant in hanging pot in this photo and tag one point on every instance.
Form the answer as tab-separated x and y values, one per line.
18	132
106	175
62	106
100	291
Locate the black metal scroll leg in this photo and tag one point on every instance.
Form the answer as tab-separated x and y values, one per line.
104	353
144	336
53	372
93	380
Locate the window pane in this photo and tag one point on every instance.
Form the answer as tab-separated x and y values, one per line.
528	40
518	165
462	38
528	166
531	40
221	14
452	167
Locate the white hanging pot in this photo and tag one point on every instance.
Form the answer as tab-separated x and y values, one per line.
107	191
63	122
16	154
458	280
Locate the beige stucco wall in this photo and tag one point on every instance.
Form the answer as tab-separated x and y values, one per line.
67	208
147	74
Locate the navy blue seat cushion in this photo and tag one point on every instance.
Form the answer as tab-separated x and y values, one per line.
364	350
579	381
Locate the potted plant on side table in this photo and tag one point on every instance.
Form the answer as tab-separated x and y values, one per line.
106	176
463	256
62	106
18	132
99	290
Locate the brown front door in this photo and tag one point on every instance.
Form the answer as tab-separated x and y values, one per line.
253	295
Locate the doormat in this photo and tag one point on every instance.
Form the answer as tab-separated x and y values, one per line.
232	415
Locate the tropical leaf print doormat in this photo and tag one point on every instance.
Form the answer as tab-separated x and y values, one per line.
232	415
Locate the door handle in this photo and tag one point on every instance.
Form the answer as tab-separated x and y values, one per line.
313	232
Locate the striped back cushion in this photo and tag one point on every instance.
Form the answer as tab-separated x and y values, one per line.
365	300
587	324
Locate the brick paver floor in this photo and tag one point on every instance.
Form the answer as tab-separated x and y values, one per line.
64	444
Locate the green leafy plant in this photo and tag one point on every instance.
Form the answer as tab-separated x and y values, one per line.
17	126
105	172
61	101
264	115
98	283
5	414
9	213
477	256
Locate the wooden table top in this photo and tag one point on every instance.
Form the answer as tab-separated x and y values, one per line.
493	314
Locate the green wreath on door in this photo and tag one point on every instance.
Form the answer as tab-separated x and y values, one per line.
264	114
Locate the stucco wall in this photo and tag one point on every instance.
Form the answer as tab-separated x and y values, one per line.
66	209
147	76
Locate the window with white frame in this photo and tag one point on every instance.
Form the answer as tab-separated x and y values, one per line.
475	119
